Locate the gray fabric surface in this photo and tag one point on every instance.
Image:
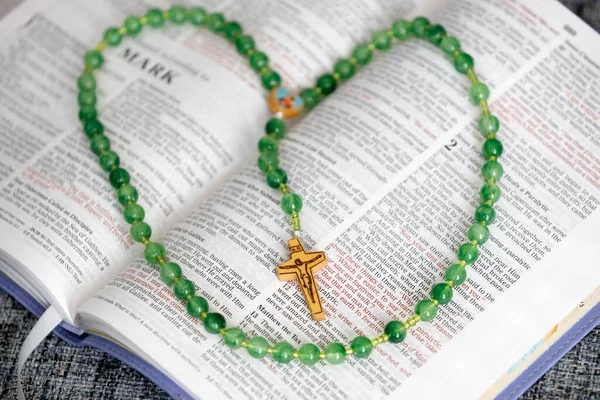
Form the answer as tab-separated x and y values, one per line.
63	371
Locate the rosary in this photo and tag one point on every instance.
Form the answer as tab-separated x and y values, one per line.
302	265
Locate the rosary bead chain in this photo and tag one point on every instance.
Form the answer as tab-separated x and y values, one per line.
170	272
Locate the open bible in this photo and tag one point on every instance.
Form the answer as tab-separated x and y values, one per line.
388	167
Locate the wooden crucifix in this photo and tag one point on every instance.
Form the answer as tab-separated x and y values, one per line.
302	267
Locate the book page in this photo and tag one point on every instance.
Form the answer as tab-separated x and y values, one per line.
180	106
388	167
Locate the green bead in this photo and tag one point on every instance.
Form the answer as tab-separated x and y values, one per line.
396	331
268	160
442	292
361	347
309	354
463	63
99	144
234	337
486	214
275	127
468	253
310	98
170	272
435	34
196	306
478	233
492	170
268	143
214	322
244	44
488	124
283	352
258	60
93	59
420	26
270	79
327	84
183	288
177	14
87	98
450	45
92	128
232	30
291	202
155	18
215	22
490	192
344	68
276	177
478	92
140	230
492	148
86	82
133	213
335	353
112	36
456	273
118	177
258	347
153	252
197	16
87	113
401	29
127	194
426	309
362	53
381	40
132	25
109	160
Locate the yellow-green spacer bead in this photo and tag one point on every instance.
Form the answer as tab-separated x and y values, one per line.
264	69
296	354
348	350
492	158
145	241
189	296
270	350
322	355
318	90
245	344
384	337
161	260
371	46
489	203
491	180
122	30
462	262
485	109
336	76
483	223
165	15
222	331
203	315
457	53
472	76
101	46
474	242
283	188
353	60
450	283
144	20
390	33
492	135
434	301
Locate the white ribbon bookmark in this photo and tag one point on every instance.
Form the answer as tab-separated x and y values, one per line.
47	322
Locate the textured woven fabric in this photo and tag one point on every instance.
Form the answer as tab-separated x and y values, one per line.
64	371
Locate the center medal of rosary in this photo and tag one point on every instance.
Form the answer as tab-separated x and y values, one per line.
302	265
